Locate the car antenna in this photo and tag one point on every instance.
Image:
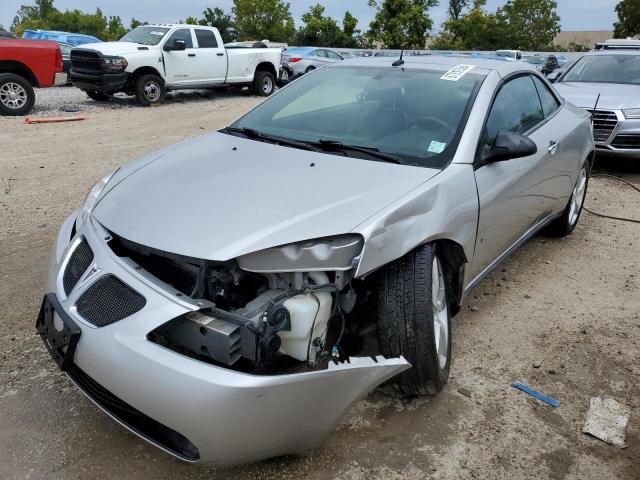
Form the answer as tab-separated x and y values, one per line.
594	110
400	61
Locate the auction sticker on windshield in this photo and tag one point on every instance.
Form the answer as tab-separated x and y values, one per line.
456	73
436	147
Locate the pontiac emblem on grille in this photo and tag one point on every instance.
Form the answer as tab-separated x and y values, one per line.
92	271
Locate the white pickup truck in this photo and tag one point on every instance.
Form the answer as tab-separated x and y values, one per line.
153	59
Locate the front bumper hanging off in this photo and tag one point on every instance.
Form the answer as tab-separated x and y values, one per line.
193	410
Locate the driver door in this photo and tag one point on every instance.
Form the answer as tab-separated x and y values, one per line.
180	66
512	193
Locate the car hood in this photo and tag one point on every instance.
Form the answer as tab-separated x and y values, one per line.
219	196
613	96
112	48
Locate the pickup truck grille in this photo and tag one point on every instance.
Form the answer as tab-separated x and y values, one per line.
604	121
86	60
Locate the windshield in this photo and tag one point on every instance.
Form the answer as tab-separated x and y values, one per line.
410	113
535	60
606	69
145	35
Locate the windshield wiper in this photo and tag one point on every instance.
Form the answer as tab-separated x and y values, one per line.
255	134
335	145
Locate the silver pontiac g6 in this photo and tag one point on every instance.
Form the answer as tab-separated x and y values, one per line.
228	298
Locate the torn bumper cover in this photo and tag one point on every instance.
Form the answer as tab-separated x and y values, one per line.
191	409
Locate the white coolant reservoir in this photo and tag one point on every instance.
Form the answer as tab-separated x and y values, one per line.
303	309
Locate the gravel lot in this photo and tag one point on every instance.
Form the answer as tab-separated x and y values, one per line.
569	307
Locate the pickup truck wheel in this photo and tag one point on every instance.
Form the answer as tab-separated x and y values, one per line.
264	84
149	89
16	95
97	96
414	320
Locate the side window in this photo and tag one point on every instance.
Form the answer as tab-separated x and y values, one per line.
321	53
182	34
549	102
206	39
333	55
516	108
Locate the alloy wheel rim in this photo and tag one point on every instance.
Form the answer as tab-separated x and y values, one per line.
577	197
267	85
285	75
13	95
440	313
152	91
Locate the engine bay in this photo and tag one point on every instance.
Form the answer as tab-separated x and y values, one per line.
260	323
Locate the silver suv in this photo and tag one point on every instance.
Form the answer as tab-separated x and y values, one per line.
607	83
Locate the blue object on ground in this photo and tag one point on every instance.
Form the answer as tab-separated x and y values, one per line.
534	393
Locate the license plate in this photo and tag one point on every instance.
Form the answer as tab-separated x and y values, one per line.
58	331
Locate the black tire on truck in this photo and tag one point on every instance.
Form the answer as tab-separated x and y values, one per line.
263	83
16	95
97	96
414	320
149	89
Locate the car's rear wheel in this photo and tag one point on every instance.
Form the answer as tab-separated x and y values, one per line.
149	89
97	96
264	84
565	224
310	69
16	95
414	320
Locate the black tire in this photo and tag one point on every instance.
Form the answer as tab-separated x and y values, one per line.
16	95
149	89
263	83
405	314
566	223
310	69
97	96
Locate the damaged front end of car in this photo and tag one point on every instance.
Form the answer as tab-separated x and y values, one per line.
221	362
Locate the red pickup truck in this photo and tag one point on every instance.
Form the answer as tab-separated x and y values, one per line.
25	64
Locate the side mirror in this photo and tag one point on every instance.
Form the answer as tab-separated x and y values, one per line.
177	46
507	145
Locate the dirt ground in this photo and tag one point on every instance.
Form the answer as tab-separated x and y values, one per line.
568	306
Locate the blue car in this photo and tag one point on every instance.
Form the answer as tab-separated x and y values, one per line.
74	39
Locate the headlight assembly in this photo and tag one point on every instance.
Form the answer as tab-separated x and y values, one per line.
632	113
91	199
335	253
115	64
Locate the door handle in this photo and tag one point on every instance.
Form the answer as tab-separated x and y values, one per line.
191	54
220	54
553	147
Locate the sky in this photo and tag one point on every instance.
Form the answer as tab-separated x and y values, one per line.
574	14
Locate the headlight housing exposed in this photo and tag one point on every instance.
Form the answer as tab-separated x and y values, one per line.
336	253
631	113
91	199
114	64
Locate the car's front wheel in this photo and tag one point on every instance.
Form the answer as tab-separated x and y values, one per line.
414	320
565	224
149	89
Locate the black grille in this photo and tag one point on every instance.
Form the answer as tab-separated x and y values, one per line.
604	122
86	60
109	300
628	141
137	421
80	260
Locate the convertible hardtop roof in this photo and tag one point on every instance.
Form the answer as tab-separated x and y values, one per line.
444	62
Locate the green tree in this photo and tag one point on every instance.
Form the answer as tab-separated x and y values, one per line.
115	29
263	19
401	23
351	34
318	29
136	23
628	24
218	18
528	24
475	29
2	28
456	7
